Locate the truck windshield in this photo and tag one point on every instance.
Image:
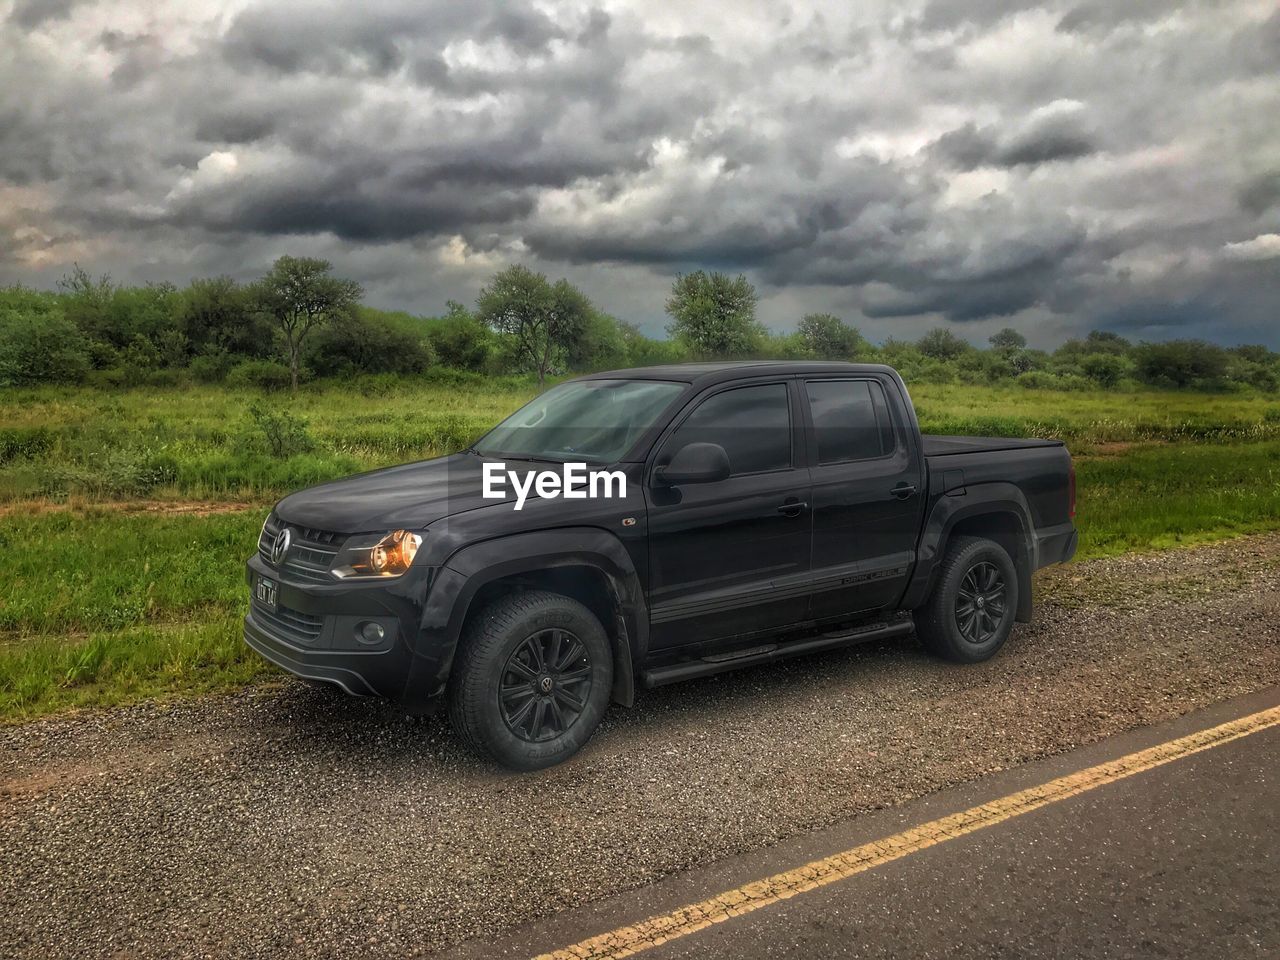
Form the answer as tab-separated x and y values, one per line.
592	421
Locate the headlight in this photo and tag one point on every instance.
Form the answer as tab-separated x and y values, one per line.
377	555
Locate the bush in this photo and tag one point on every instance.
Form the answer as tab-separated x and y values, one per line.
941	344
264	374
40	346
365	344
108	379
211	367
112	473
1042	380
460	340
1105	369
283	433
1181	363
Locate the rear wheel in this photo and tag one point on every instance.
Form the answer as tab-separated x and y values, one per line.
971	612
532	679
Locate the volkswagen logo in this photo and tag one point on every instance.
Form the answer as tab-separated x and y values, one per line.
281	545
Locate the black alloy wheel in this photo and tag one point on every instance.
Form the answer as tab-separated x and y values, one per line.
531	680
545	685
970	612
980	603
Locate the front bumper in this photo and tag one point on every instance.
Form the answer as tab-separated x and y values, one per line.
315	632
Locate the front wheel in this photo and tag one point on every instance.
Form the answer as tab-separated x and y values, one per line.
971	611
532	679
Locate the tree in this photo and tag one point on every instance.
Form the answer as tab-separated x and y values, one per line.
1008	339
598	345
459	339
1104	341
941	344
86	300
542	318
713	314
38	343
1180	363
1105	369
829	337
217	315
299	295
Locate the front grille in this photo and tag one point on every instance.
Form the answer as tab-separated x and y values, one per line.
310	554
289	624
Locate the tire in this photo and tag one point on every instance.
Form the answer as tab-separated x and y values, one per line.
551	659
971	611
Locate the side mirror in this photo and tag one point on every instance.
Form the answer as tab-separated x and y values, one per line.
695	463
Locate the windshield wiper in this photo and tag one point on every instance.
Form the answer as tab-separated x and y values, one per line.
541	458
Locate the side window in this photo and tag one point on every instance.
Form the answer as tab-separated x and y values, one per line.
850	420
753	424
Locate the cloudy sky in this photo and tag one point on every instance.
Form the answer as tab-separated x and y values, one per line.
1054	167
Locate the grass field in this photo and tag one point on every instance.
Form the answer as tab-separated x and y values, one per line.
125	517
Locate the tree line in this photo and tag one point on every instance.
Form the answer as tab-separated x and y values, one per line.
299	321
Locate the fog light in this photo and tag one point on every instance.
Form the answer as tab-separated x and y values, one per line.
370	632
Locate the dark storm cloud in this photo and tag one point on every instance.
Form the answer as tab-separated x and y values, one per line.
32	13
1052	138
972	160
1261	193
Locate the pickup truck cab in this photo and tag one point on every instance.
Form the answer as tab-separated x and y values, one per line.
760	510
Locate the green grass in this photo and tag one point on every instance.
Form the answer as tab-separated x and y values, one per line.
41	675
1168	495
77	572
203	442
1088	420
101	606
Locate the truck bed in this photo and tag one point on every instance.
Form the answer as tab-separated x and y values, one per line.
934	445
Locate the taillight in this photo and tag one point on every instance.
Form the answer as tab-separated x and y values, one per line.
1071	490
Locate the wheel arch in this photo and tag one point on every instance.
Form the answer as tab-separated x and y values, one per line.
590	565
996	512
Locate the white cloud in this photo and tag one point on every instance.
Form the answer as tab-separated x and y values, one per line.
1265	246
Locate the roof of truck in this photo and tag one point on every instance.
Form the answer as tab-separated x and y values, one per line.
707	373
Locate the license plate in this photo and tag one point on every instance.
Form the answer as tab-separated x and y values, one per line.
265	592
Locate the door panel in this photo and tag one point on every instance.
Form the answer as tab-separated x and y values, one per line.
867	498
731	557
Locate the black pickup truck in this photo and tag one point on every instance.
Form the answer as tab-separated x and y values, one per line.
640	527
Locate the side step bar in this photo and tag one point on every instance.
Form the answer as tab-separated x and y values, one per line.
722	663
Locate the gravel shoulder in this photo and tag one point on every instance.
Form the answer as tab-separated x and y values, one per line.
292	822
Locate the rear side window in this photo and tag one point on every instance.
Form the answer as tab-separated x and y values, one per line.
753	424
850	420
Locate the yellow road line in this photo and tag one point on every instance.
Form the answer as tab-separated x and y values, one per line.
626	941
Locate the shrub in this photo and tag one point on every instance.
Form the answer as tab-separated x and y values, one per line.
40	346
265	374
1105	369
363	344
118	472
941	344
1181	363
1043	380
212	366
109	378
460	340
283	433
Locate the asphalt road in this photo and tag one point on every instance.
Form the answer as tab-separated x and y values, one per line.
1181	860
292	823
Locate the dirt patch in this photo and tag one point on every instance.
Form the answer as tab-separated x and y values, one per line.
196	508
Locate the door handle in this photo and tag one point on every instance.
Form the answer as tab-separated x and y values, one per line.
904	490
793	509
